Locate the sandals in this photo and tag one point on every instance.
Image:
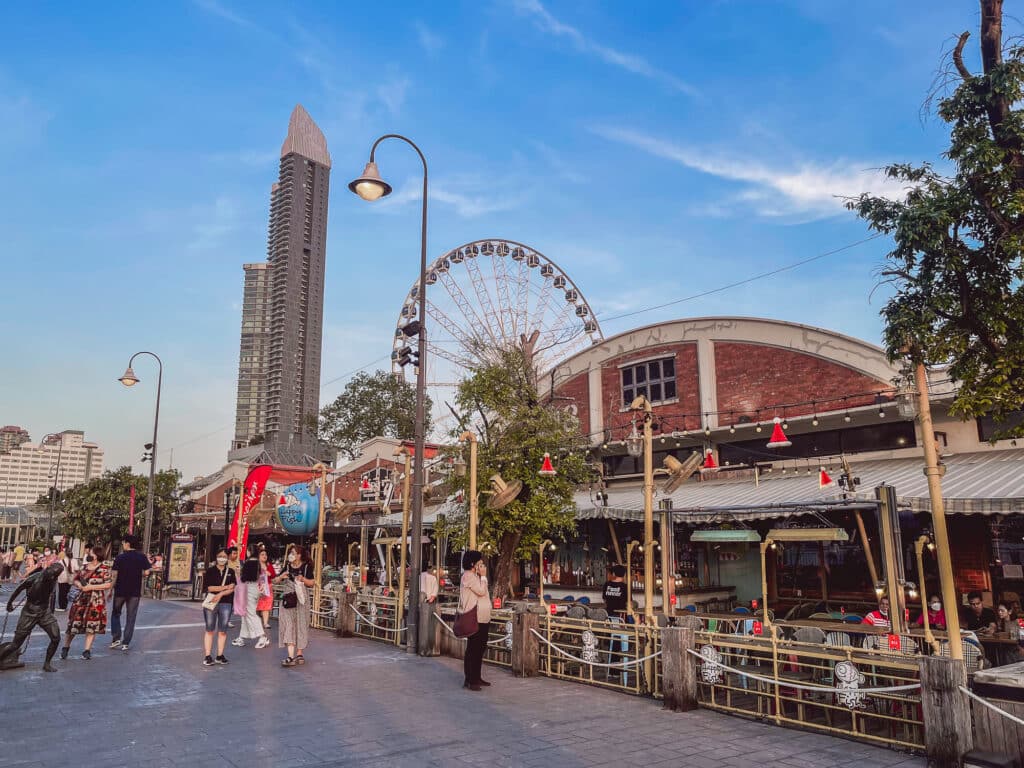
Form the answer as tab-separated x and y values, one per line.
300	659
289	662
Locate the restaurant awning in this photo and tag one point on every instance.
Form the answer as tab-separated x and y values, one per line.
975	483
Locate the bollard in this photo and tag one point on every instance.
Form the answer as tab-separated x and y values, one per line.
678	669
345	622
525	645
947	712
429	631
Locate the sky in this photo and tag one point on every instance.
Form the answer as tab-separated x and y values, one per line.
653	150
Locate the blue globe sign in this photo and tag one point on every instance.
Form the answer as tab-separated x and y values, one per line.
298	508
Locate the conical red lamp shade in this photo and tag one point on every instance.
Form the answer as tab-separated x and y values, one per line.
824	480
365	486
546	469
779	439
709	462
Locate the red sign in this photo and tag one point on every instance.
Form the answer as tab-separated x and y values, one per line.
252	492
554	609
894	642
672	599
441	582
758	628
753	604
496	602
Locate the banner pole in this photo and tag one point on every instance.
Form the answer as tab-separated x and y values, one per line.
318	556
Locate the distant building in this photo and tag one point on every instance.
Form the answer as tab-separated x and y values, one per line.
293	286
28	470
12	437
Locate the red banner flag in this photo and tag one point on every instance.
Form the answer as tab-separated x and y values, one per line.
255	482
131	511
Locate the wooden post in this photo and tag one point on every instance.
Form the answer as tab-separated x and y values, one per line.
946	710
345	623
525	645
429	634
678	669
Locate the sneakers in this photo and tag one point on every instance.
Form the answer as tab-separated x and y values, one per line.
221	660
208	661
238	642
64	652
263	642
231	625
124	647
86	655
115	643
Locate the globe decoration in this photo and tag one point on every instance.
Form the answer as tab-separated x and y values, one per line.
298	508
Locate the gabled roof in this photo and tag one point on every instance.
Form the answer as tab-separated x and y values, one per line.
305	138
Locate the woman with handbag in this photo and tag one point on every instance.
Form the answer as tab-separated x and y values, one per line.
294	616
88	614
474	600
219	582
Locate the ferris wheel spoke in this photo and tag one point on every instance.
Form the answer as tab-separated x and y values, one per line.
492	321
508	326
522	295
467	309
550	335
448	324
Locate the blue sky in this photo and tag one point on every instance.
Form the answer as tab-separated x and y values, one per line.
653	150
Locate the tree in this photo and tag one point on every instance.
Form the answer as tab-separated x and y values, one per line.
371	405
957	263
98	510
515	429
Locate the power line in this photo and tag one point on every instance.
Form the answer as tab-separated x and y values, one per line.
751	279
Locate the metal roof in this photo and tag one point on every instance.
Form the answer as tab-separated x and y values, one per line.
989	482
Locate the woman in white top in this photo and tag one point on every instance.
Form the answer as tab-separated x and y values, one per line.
66	577
473	595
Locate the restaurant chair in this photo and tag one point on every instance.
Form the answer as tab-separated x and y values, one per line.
584	600
568	599
741	609
691	608
576	612
662	620
974	657
690	622
820	616
838	640
597	614
853	618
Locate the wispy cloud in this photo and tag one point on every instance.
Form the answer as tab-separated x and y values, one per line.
215	8
809	190
392	94
558	165
627	61
469	197
431	42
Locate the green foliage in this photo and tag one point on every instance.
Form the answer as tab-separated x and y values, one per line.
957	262
98	510
371	405
515	428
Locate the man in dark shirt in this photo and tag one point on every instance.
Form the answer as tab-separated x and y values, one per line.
980	618
615	592
129	570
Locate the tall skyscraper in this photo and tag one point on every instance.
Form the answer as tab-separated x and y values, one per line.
251	405
293	311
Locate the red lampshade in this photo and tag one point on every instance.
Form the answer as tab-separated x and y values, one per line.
365	485
824	480
546	468
710	465
779	439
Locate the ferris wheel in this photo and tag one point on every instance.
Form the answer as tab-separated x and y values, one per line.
490	295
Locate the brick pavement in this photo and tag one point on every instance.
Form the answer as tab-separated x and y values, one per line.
356	702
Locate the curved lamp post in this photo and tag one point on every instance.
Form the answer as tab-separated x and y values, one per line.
56	480
370	186
129	379
546	544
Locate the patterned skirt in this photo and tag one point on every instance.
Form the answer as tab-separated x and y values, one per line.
88	616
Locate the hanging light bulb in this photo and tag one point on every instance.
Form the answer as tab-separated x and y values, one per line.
814	421
881	413
847	418
758	429
732	429
707	431
634	443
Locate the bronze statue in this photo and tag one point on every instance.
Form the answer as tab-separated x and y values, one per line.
38	589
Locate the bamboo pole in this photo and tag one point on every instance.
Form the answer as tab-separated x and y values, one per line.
405	537
318	556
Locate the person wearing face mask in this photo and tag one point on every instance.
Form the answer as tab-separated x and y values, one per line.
879	617
88	614
219	580
936	616
293	618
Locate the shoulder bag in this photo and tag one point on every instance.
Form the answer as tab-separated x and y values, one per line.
212	598
467	623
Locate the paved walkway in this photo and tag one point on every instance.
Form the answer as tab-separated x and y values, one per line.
355	703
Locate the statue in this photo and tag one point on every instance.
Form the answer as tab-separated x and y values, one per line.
38	589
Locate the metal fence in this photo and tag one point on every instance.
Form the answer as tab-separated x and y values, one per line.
499	639
870	695
377	617
610	654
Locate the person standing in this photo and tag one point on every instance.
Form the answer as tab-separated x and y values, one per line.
130	569
473	595
294	615
266	602
88	615
248	593
218	580
19	559
6	564
65	579
235	565
428	585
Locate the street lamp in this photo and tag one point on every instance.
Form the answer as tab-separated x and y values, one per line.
129	379
56	480
473	498
370	186
629	574
641	403
546	544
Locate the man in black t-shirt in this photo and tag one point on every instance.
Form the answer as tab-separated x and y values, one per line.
979	618
615	592
129	570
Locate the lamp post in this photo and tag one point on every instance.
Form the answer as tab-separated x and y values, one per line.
56	480
919	545
473	497
129	379
230	502
634	446
629	574
546	544
405	542
934	472
371	187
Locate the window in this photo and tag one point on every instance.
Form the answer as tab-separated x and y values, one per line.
989	427
654	379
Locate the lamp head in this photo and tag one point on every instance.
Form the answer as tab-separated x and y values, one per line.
129	379
370	186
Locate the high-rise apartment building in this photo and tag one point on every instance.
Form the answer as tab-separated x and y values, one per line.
294	289
12	437
251	405
27	471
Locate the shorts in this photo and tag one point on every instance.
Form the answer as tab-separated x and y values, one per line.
217	619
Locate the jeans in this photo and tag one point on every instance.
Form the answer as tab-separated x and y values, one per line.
132	603
475	647
62	595
217	619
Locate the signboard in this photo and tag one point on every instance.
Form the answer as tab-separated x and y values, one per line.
496	603
758	628
894	642
180	559
673	599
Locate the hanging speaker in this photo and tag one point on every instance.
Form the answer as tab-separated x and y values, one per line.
680	471
502	493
